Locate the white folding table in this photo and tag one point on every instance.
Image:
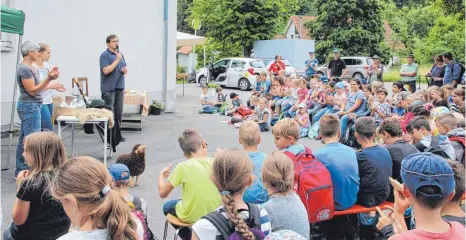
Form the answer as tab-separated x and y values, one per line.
66	121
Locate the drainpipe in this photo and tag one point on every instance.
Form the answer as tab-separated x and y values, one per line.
300	26
165	52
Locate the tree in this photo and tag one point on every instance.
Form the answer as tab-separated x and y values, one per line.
354	26
243	22
182	14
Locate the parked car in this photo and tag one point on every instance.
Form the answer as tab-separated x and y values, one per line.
356	67
288	68
232	72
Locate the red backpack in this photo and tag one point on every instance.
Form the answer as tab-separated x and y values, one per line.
313	184
460	140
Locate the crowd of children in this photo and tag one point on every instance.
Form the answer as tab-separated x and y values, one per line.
411	153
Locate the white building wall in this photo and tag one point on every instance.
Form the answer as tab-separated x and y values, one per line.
76	32
290	32
186	61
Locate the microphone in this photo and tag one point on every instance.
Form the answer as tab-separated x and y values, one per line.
117	48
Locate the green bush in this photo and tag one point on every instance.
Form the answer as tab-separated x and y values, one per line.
393	74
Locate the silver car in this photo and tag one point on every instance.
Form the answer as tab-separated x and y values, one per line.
357	67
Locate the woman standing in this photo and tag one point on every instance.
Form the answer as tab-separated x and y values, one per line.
437	72
47	94
30	99
375	70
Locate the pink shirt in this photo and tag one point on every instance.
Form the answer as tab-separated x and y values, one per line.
302	94
304	118
457	231
341	98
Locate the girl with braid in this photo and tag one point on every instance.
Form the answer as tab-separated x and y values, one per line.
232	173
285	209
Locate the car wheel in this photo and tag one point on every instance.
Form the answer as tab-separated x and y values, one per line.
243	84
358	75
203	81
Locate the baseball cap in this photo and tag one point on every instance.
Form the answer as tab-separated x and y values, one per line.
311	52
302	105
410	56
401	96
324	78
336	50
340	85
375	57
117	170
427	169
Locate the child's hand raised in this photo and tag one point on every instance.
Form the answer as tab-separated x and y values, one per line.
401	202
166	171
384	219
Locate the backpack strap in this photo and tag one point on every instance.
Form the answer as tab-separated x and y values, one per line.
458	139
434	142
220	222
295	158
254	213
137	203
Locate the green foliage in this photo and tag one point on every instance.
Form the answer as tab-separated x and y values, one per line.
158	104
224	49
180	69
447	35
351	25
182	14
242	22
211	85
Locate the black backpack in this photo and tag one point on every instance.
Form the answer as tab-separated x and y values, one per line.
435	148
461	71
227	229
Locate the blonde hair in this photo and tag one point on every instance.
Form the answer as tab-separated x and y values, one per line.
262	99
302	80
286	128
447	89
84	178
48	154
254	100
190	141
249	133
232	171
278	172
435	89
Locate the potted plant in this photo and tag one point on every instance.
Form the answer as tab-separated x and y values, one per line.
156	108
212	87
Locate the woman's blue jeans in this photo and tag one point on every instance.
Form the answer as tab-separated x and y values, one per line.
322	112
29	114
46	116
344	125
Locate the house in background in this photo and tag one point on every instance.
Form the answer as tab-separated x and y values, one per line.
185	58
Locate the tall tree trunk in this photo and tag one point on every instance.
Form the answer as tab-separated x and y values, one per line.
247	51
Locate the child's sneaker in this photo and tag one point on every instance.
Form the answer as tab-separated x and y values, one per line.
201	111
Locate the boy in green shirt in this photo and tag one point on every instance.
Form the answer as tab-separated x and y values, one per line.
199	194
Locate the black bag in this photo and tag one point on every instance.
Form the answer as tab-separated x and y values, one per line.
435	148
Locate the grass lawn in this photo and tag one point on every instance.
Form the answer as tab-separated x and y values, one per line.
393	74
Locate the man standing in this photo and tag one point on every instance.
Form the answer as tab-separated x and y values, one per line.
311	66
277	65
408	73
112	84
452	70
336	67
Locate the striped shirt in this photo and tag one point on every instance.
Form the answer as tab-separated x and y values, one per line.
408	68
205	230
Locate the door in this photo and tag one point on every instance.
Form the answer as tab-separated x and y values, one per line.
219	68
235	72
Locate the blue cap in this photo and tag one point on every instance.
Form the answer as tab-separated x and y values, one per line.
324	79
117	170
340	85
427	169
336	50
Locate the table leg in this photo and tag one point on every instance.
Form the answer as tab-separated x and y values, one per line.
72	140
59	129
105	143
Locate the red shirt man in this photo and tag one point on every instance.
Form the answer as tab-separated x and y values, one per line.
276	66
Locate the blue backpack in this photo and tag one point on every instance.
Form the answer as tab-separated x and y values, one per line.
227	229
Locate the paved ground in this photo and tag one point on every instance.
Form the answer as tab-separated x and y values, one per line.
160	134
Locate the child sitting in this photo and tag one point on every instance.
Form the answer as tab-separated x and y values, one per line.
250	138
375	167
83	186
36	215
285	208
448	125
380	109
222	104
302	117
286	135
428	184
277	96
236	102
195	201
206	104
263	115
232	173
420	131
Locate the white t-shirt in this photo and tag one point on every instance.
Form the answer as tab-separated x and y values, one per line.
204	97
47	94
98	234
205	230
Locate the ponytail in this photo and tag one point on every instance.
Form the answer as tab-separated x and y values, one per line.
240	225
88	181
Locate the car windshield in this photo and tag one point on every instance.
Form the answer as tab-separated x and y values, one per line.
369	61
257	64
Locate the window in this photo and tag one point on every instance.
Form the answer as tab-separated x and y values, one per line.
224	63
349	62
357	61
6	42
257	64
238	64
